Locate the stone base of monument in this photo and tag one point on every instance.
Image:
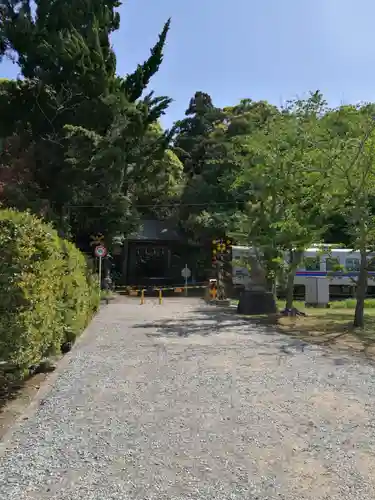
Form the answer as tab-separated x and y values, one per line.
254	302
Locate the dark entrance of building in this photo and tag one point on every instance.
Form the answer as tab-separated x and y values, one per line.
148	263
156	255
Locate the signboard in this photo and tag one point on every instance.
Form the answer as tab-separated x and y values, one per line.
186	273
100	251
97	239
221	249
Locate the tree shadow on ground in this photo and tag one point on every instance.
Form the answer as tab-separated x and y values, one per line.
205	321
9	390
211	321
332	330
15	397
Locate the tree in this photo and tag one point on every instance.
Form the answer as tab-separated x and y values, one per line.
209	143
81	125
192	134
247	117
159	192
353	134
285	178
118	164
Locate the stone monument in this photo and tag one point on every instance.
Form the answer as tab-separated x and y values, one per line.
256	299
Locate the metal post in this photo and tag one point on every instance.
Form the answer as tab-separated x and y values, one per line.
100	274
142	297
160	296
186	280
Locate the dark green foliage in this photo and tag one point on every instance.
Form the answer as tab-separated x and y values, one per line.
212	143
64	43
81	293
31	296
338	230
80	128
192	134
134	84
46	293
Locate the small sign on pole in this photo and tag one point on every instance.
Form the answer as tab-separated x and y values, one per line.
100	252
186	273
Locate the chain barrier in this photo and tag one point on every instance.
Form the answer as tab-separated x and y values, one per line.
134	291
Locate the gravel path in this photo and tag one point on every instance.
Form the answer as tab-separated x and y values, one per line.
182	401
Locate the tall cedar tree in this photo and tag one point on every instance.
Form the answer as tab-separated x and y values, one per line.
71	96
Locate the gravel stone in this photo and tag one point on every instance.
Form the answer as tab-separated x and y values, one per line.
183	401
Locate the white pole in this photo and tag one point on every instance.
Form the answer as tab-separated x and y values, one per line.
100	274
186	280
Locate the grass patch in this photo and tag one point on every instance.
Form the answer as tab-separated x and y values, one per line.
331	326
335	304
350	304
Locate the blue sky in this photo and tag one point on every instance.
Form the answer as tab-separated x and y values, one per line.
259	49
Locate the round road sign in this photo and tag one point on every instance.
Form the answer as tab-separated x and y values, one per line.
100	251
186	273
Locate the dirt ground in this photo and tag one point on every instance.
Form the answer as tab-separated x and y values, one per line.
14	401
333	327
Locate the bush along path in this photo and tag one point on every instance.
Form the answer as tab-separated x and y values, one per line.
47	296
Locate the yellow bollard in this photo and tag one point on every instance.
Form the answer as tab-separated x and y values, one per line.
213	293
211	290
142	297
160	296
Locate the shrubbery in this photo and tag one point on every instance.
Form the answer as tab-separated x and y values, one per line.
47	294
80	295
351	303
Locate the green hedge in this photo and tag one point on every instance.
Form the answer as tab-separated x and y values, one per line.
81	296
47	295
351	303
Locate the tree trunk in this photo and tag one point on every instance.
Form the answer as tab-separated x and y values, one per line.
228	284
220	281
274	289
359	320
270	285
295	260
289	290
